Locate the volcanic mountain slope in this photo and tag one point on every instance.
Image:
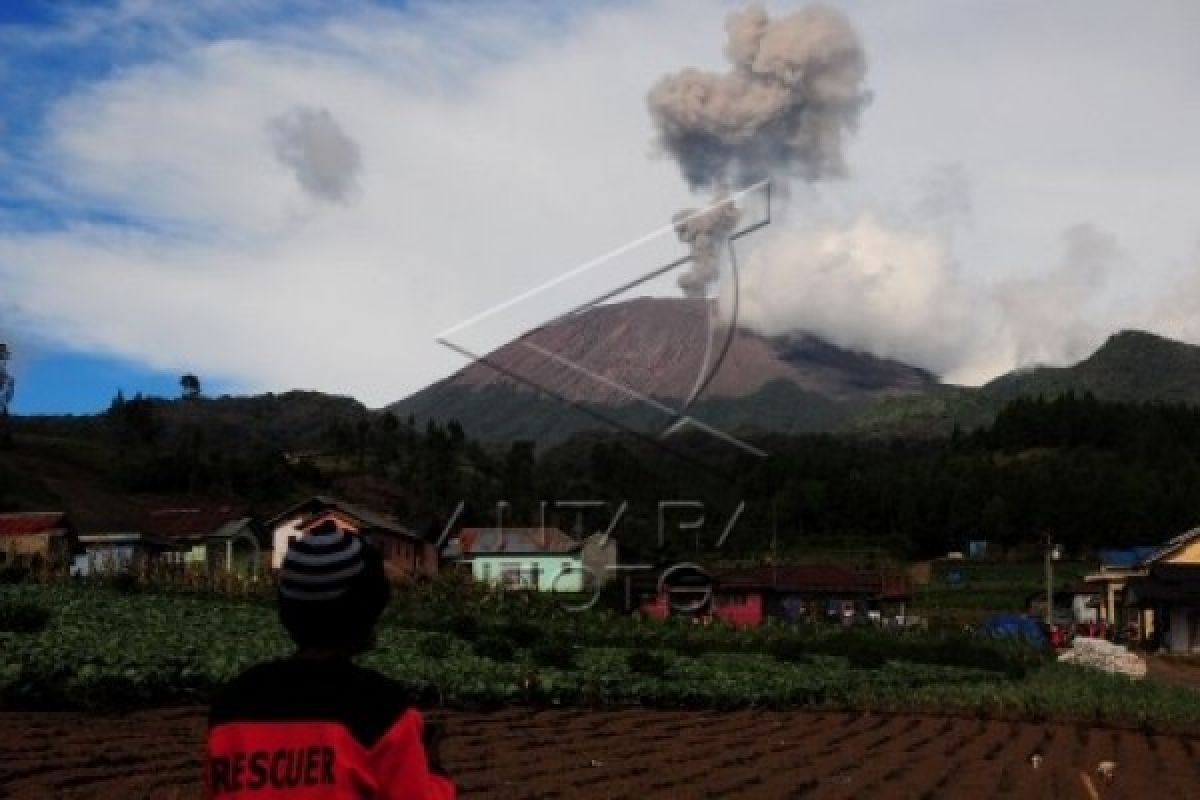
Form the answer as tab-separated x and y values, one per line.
604	360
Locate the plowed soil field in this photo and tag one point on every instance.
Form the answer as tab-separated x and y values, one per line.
648	754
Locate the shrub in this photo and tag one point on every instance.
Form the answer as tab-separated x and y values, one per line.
693	647
124	582
434	645
22	617
867	657
522	634
554	654
13	574
791	651
647	662
465	627
497	648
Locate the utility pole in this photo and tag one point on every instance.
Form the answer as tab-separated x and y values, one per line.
1049	585
774	541
1051	554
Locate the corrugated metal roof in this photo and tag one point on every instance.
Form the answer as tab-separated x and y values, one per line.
190	523
319	504
1125	557
515	541
805	578
33	523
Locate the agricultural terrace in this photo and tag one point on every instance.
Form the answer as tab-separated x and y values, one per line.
105	645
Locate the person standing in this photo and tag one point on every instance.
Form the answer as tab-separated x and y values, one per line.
316	726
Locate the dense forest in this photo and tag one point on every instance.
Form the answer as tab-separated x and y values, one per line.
1087	472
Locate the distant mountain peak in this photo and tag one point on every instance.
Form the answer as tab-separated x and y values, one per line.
610	355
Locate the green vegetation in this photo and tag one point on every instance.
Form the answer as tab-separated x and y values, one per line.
1132	368
1092	473
991	586
19	616
105	649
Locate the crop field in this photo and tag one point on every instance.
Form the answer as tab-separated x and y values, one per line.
640	753
87	647
103	685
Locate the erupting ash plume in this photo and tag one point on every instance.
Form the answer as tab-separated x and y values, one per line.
704	232
794	90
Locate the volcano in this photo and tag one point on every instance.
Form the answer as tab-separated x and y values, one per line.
612	364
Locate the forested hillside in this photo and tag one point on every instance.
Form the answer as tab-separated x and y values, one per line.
1089	472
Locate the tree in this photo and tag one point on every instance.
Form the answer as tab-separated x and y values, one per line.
135	421
190	385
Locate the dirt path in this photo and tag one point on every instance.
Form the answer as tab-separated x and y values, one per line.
646	754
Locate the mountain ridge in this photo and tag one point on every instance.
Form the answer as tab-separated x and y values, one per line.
793	383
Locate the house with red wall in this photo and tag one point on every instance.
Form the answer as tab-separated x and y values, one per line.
791	593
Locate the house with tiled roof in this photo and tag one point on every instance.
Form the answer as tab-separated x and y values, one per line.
405	552
538	558
35	538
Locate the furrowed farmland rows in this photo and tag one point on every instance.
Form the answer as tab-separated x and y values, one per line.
965	743
645	755
884	766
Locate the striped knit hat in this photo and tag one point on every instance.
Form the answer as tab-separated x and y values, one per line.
322	565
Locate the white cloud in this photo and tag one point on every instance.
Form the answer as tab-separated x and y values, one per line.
502	144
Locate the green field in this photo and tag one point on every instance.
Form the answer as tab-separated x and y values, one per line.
103	648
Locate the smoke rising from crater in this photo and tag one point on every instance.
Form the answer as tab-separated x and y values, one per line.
704	232
793	92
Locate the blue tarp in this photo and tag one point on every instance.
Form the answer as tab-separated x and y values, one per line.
1125	556
1016	626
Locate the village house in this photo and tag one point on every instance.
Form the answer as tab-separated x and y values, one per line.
789	593
1117	567
405	552
1167	595
110	552
34	539
214	538
538	558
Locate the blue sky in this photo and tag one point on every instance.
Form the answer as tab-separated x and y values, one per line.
73	383
279	195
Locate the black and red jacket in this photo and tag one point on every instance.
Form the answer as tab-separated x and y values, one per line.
318	730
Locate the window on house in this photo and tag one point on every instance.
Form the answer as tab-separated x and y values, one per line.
510	575
487	571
